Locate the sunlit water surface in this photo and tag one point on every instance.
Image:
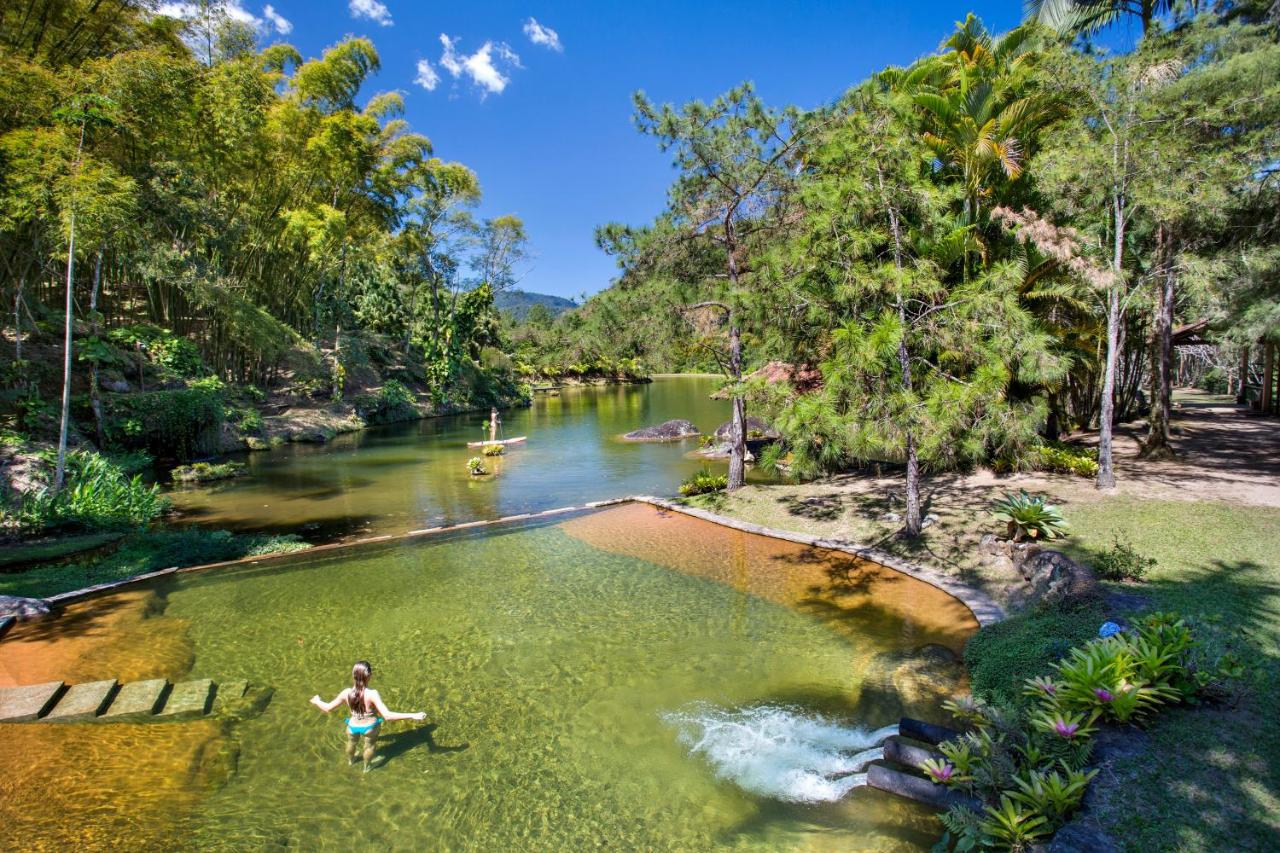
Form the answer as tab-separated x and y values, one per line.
408	476
570	672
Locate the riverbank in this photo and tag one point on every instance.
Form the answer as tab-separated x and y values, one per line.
1204	778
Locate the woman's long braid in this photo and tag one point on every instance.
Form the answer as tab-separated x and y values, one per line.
360	679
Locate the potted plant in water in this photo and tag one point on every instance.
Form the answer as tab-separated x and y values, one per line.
475	467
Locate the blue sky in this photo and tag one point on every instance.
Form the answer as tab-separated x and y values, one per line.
556	145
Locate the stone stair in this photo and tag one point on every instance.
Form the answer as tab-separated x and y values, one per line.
137	701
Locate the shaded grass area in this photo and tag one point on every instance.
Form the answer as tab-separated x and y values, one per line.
144	552
52	548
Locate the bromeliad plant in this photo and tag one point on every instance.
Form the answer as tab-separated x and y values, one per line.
1029	517
1028	764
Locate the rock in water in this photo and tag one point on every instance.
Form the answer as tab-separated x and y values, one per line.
669	431
757	430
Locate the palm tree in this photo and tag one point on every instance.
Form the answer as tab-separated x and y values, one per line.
1088	16
979	110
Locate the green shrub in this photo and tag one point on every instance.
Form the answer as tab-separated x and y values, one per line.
96	494
494	450
249	420
1064	458
174	354
392	402
1121	562
475	466
702	482
203	472
175	424
1029	517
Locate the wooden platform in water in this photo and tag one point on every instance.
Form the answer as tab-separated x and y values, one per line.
515	440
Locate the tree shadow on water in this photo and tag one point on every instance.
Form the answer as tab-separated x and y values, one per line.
393	746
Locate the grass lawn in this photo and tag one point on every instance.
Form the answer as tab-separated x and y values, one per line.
140	553
1210	779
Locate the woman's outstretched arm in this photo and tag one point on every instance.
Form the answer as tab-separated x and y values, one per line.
329	706
391	716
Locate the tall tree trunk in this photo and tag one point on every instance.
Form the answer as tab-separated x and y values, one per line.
95	392
1106	469
17	322
1106	472
1157	443
60	472
912	525
738	431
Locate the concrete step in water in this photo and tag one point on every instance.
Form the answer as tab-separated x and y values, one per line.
29	702
188	699
138	701
83	701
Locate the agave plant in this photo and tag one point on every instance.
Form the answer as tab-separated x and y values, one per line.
1029	517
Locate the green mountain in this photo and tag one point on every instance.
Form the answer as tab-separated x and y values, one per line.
517	303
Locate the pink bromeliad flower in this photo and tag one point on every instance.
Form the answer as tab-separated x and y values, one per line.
942	774
1064	729
1103	694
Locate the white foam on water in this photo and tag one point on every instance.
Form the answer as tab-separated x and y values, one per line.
780	752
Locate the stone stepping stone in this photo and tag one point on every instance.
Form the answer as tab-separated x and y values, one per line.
29	702
83	701
230	695
137	699
188	699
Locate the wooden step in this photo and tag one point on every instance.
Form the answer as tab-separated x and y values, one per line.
83	701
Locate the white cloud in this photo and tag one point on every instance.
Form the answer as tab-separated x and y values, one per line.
449	58
234	10
545	36
371	9
427	77
280	22
482	67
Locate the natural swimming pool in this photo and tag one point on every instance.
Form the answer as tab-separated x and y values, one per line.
567	669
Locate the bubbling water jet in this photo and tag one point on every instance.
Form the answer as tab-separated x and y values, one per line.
780	752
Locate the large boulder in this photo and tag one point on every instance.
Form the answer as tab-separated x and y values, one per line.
669	431
23	609
1055	578
757	430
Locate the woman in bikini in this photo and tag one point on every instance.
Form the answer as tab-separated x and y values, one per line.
368	712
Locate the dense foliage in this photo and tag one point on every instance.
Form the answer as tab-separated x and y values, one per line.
976	252
1026	760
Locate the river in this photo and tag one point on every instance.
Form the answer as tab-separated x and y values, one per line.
407	476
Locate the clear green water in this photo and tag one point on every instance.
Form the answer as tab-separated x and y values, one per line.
546	667
408	476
